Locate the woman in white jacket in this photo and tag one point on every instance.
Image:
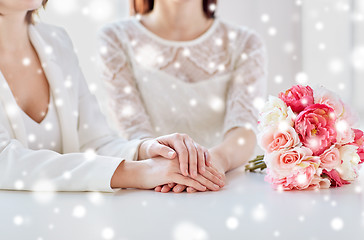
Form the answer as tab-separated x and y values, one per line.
52	134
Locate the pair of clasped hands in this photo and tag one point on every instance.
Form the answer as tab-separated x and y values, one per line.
178	164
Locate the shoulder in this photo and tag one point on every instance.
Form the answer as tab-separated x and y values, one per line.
52	36
117	27
51	33
242	36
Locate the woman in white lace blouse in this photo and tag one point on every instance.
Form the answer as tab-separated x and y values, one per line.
176	68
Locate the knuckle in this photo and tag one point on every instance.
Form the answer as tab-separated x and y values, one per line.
176	135
184	135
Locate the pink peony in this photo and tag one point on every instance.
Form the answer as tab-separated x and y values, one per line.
298	97
330	158
275	139
359	142
316	127
336	180
282	163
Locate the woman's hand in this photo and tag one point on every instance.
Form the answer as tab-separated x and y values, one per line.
150	173
219	168
192	157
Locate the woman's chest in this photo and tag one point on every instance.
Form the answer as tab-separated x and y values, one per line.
28	84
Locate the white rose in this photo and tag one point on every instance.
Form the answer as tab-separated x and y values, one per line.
348	169
275	112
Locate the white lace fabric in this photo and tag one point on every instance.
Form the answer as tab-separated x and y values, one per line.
203	87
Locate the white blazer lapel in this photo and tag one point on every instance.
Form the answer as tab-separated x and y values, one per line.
12	111
56	79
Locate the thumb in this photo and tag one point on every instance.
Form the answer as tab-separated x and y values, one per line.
164	151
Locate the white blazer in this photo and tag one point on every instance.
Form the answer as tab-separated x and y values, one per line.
83	127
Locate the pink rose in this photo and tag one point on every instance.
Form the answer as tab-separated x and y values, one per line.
330	158
336	180
282	163
301	178
298	97
316	127
359	141
278	138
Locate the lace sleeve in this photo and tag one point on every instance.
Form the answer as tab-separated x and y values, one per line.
124	101
248	85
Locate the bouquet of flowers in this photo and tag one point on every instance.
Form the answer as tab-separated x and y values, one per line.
309	140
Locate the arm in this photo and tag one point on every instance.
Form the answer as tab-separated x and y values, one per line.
125	103
236	149
48	170
150	173
44	170
247	88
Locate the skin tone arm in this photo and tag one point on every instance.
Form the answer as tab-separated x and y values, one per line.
189	154
148	174
236	149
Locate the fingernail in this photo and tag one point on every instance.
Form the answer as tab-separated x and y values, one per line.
170	154
221	182
216	187
178	188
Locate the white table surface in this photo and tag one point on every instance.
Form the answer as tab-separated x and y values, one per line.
247	208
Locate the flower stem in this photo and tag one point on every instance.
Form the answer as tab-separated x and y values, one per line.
255	164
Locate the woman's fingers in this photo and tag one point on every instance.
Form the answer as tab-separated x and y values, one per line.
201	158
213	178
182	153
183	180
179	188
192	157
208	159
156	149
166	189
158	188
191	190
209	184
215	172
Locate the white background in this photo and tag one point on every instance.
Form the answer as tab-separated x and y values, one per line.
311	41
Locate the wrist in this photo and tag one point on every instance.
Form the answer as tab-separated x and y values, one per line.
219	159
128	175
